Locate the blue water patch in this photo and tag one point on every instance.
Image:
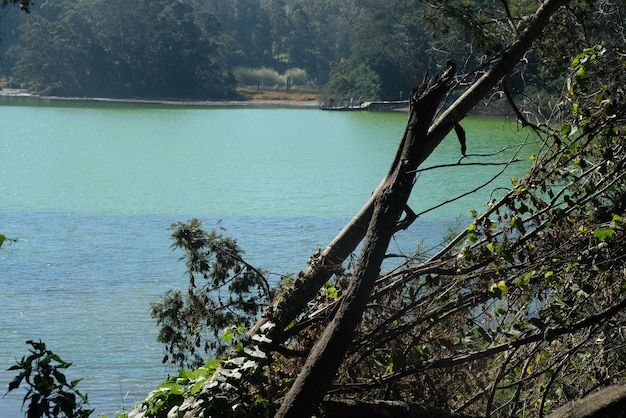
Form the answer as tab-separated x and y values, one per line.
83	284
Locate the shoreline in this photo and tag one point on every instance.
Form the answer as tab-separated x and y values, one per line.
258	103
6	92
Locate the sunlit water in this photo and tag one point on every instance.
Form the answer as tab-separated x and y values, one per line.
91	189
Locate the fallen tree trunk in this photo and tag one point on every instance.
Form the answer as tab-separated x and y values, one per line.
607	402
418	142
291	301
383	409
328	352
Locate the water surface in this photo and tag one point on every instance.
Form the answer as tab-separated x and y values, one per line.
90	190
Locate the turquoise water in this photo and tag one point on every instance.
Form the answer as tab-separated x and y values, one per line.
90	190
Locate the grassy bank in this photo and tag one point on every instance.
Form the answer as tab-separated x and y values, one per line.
260	94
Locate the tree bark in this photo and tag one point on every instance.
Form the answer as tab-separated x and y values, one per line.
328	352
383	409
606	402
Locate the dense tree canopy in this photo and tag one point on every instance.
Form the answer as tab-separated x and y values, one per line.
153	49
366	48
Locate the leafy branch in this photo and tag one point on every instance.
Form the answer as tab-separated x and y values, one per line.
48	392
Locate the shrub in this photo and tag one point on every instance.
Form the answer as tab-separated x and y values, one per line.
48	392
268	77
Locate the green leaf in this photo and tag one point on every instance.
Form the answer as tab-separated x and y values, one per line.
196	387
15	383
505	254
254	351
472	234
228	335
566	129
499	289
499	312
603	233
518	223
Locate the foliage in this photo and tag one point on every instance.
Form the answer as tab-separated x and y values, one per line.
232	387
361	81
529	312
254	34
4	238
269	77
154	49
224	291
175	388
48	392
367	49
520	313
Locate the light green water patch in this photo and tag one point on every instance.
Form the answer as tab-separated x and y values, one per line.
236	161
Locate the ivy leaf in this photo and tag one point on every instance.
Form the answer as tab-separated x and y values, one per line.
472	234
232	374
518	223
254	351
603	233
227	335
499	289
261	339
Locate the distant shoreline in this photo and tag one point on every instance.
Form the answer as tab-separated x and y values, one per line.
243	103
260	103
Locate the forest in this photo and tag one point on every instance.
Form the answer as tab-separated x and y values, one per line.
519	314
205	48
173	49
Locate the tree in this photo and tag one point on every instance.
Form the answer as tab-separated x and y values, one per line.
325	36
191	324
361	81
519	313
247	24
23	5
327	354
278	23
301	41
392	41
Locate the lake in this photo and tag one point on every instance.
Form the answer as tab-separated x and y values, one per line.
90	190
